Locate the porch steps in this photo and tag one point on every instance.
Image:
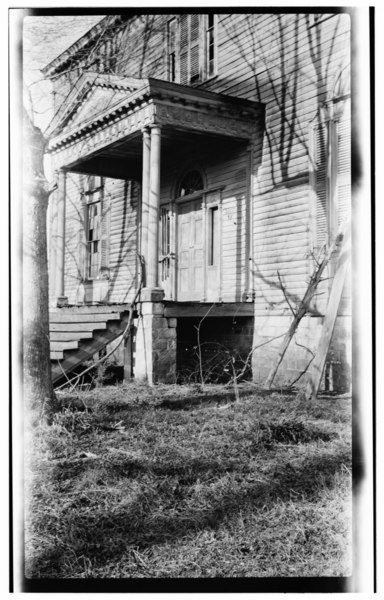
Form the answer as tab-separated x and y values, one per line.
77	333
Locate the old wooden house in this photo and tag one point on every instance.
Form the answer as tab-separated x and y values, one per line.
217	147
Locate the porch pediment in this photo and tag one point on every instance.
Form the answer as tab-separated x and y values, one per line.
92	95
108	110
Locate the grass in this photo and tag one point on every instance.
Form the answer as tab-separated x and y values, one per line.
138	482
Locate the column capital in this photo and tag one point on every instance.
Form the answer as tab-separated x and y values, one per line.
146	131
155	128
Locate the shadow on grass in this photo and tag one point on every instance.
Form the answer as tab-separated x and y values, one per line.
165	513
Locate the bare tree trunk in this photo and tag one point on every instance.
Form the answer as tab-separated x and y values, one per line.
39	398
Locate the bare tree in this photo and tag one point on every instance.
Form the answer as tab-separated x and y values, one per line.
39	395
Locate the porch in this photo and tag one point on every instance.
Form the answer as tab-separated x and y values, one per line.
141	130
79	333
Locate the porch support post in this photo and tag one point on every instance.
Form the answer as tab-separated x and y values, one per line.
153	210
145	195
62	300
155	348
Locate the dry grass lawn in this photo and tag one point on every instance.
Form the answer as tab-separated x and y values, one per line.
176	481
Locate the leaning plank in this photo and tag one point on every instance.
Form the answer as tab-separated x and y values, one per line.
316	372
300	312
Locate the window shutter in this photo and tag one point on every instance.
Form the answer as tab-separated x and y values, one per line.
321	168
194	63
184	47
189	48
344	168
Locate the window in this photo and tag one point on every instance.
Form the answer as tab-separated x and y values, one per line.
191	52
172	49
191	182
213	237
93	226
210	46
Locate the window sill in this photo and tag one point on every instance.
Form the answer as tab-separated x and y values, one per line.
207	80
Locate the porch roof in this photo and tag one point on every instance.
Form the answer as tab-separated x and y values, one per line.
104	115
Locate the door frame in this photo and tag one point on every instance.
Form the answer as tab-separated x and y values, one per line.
210	198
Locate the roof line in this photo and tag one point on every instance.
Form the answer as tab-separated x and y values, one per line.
106	21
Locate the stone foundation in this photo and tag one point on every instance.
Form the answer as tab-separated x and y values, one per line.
153	345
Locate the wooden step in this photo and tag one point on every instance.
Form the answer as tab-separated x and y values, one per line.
91	309
72	353
71	345
67	336
80	318
81	326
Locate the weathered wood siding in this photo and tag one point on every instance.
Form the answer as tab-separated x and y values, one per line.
293	67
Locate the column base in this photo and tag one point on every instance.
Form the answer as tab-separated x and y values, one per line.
155	348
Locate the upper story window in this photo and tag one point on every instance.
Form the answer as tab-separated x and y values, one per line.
210	46
172	46
192	54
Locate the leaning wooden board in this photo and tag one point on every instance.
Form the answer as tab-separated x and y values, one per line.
316	371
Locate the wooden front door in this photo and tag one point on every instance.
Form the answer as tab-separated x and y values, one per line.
190	251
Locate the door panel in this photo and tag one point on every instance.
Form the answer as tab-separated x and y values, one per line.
190	251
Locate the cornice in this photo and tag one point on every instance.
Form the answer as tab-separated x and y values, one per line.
108	21
171	104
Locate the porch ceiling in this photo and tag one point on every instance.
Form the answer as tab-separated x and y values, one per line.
100	130
123	159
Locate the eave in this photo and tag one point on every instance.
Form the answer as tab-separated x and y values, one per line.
159	93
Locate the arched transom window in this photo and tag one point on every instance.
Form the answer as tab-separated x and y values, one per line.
190	183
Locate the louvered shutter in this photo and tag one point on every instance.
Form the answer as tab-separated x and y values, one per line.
184	49
189	48
344	168
321	169
194	63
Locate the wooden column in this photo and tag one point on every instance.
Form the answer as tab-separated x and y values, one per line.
153	210
60	241
145	194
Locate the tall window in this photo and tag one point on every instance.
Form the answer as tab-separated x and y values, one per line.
210	49
191	52
93	225
213	236
172	28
